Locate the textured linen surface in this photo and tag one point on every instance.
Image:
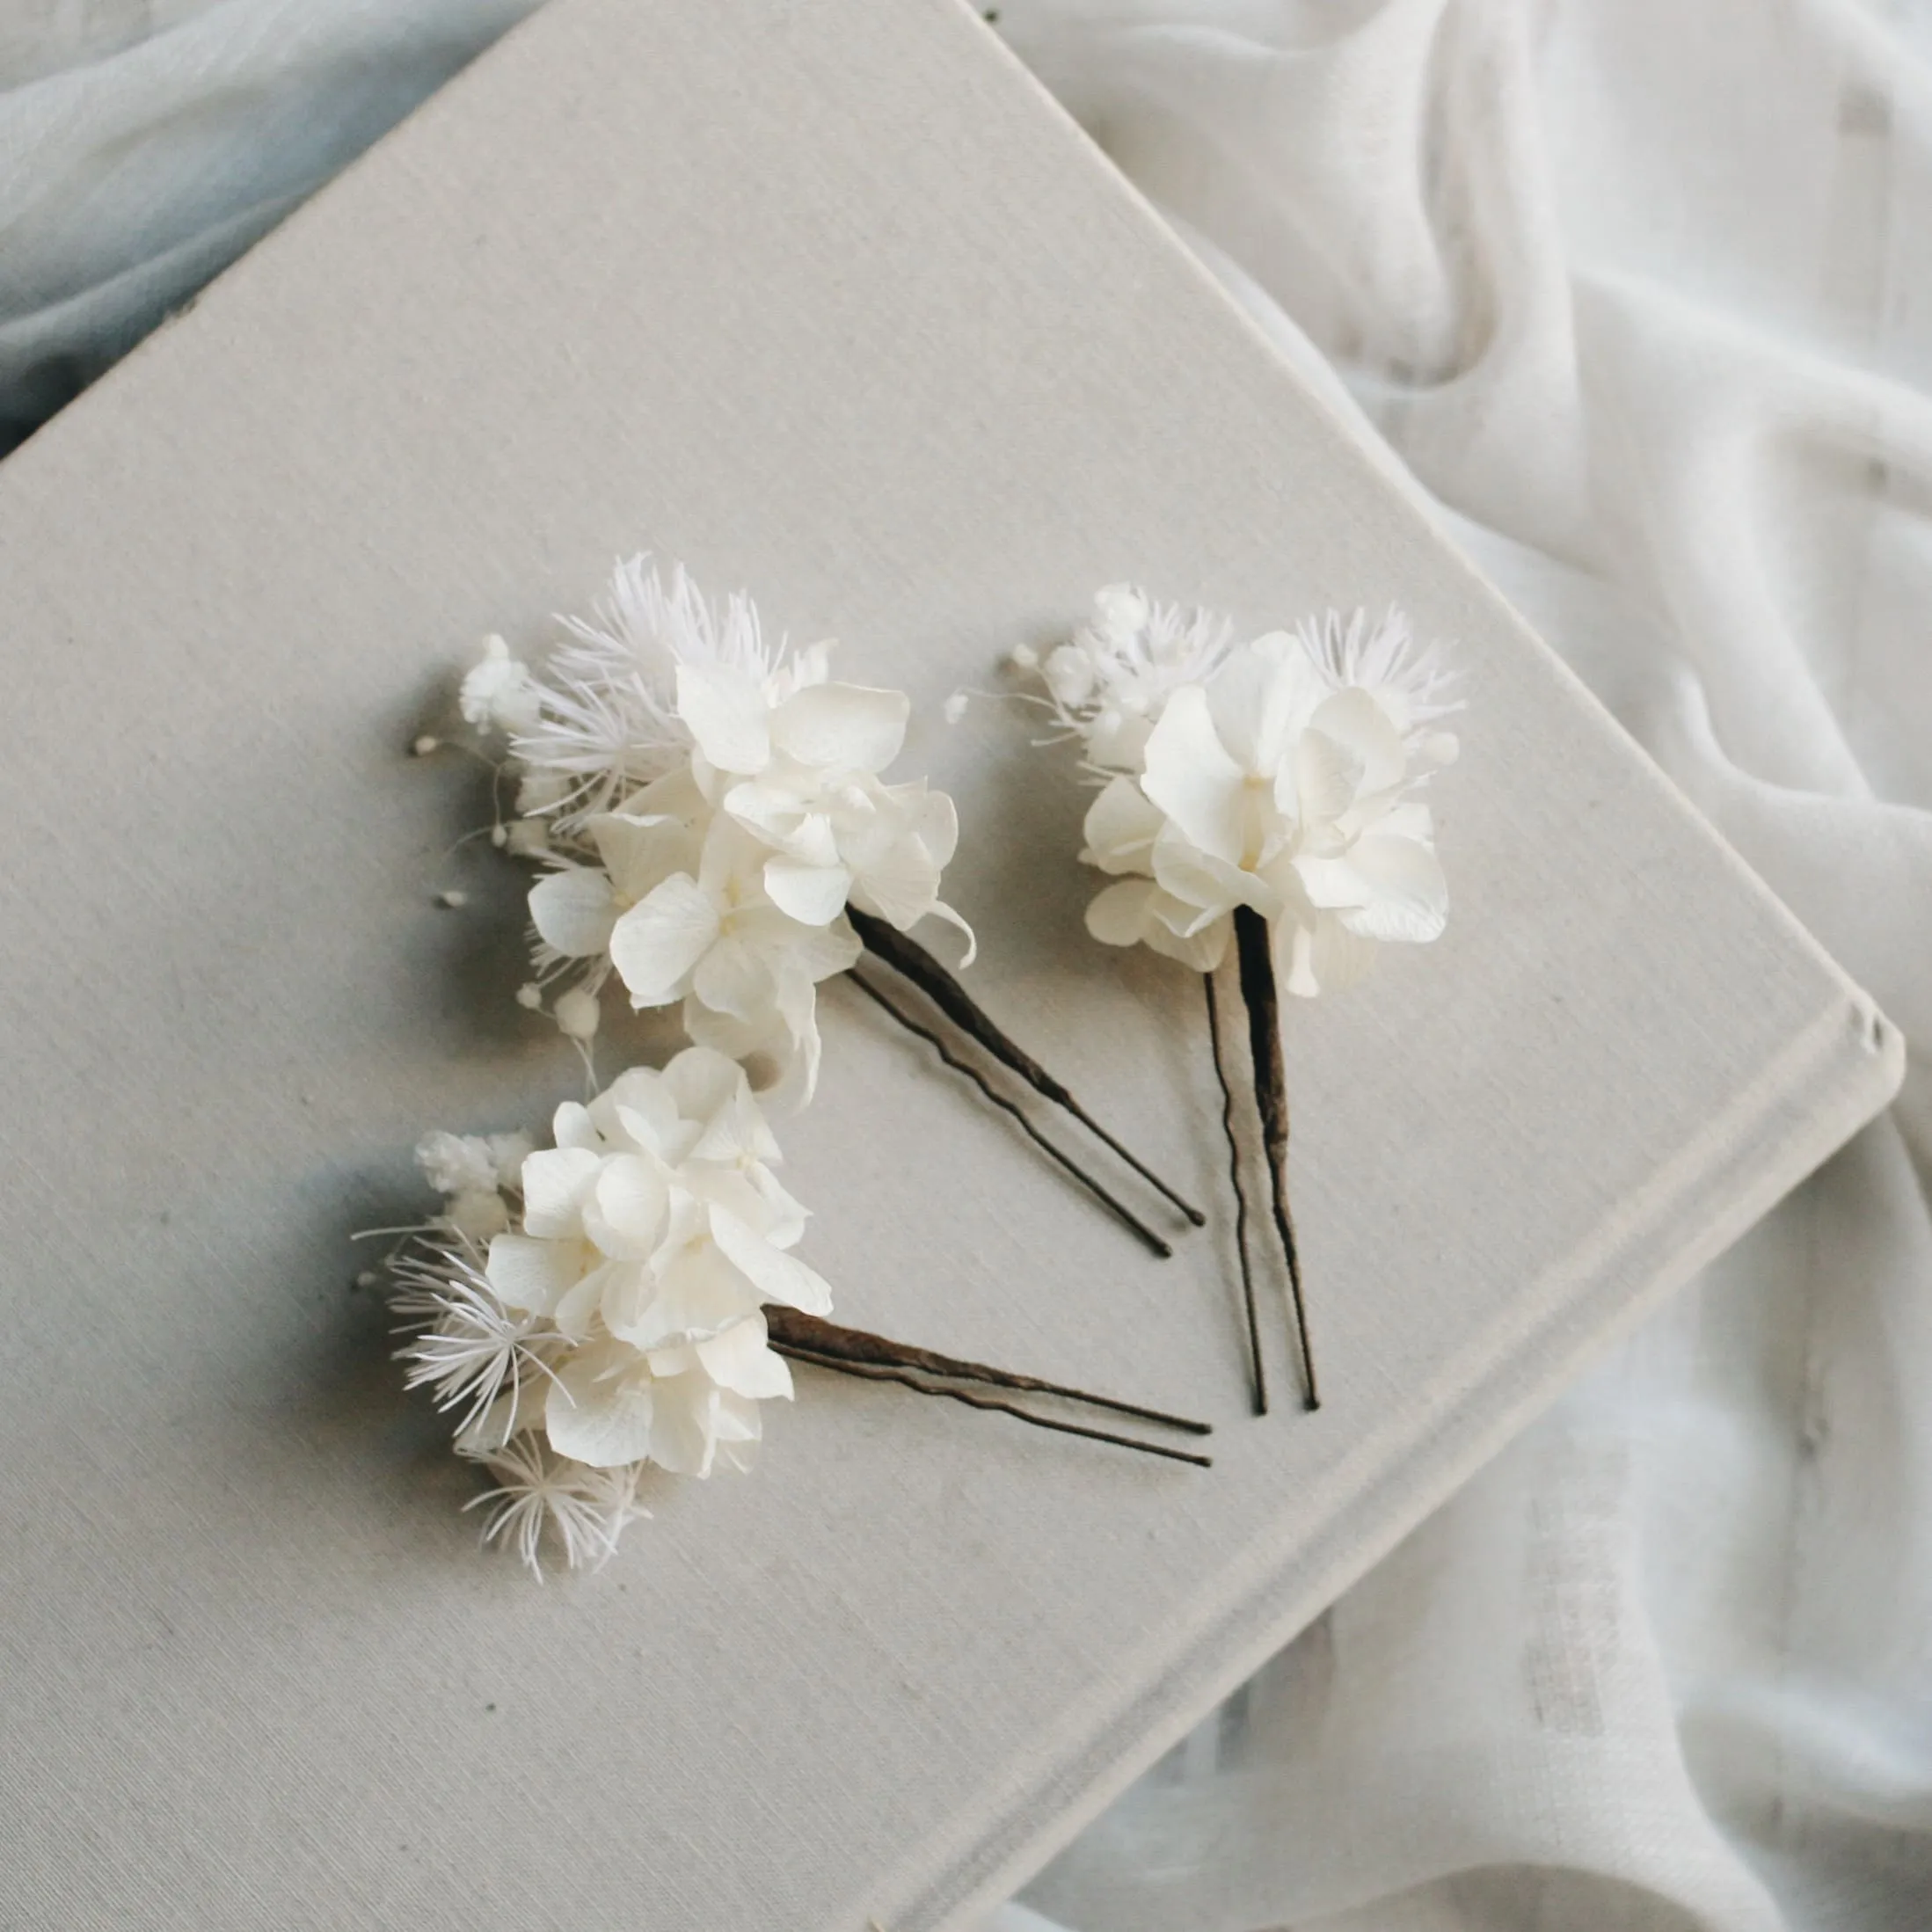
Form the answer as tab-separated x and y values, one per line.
1639	292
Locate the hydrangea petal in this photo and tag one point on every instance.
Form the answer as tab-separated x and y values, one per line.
1120	828
841	727
941	911
599	1410
1332	884
727	714
1201	948
703	1082
1324	957
1237	702
1192	779
935	823
574	1125
1118	916
624	1214
1408	820
1211	885
901	885
813	895
532	1275
814	953
641	852
735	978
684	1428
656	944
777	1276
700	1291
739	1359
577	1309
555	1181
1328	776
735	1130
573	910
1406	897
1353	718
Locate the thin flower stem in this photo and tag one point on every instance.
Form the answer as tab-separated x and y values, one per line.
873	1371
1258	992
906	957
1153	1241
1241	1200
856	1344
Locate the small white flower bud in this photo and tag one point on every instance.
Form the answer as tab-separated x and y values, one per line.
478	1214
578	1014
509	1151
1023	657
454	898
498	837
1070	675
498	694
956	707
529	996
1121	612
422	747
456	1163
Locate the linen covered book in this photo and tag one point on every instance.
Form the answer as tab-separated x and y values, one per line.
823	297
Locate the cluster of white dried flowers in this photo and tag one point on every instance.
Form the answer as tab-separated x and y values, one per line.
596	1305
706	804
1279	774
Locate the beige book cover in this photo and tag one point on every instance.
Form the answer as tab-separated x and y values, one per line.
823	298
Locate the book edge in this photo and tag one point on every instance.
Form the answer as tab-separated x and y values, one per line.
1711	1193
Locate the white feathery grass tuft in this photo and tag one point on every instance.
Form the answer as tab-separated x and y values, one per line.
585	1508
609	721
468	1349
1381	655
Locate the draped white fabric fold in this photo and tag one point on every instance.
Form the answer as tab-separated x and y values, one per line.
1637	295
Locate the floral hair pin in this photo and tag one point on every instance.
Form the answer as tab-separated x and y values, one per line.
1264	797
717	836
709	813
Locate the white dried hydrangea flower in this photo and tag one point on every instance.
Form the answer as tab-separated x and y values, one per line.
615	1320
714	801
1279	774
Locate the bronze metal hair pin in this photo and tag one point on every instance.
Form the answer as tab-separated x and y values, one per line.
912	961
1255	963
856	1352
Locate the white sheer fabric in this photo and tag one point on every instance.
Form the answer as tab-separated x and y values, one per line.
1640	294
